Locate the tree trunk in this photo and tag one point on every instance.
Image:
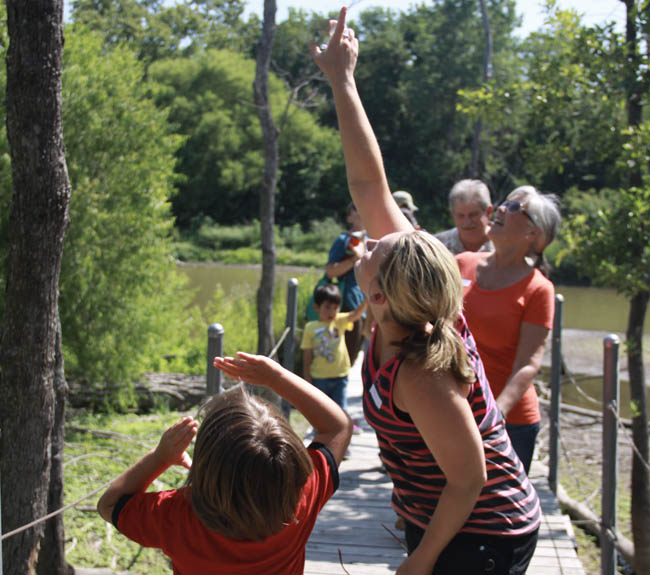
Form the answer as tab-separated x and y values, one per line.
638	306
640	473
267	192
39	214
51	559
474	168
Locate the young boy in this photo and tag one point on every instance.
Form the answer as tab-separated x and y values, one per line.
253	491
325	358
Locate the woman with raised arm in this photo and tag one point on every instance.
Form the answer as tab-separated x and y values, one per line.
463	493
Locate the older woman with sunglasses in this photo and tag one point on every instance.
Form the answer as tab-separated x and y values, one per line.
508	304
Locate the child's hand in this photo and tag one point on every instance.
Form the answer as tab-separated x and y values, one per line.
174	442
253	369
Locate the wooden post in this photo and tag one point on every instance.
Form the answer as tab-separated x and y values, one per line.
556	393
610	455
214	376
288	346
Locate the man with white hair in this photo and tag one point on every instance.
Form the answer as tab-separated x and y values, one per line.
470	206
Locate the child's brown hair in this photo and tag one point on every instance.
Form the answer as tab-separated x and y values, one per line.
248	469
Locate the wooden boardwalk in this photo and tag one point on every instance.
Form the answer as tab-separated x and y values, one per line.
352	520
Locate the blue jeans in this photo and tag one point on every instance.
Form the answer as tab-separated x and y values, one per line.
335	388
522	437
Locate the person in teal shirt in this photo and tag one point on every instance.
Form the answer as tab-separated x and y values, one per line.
345	251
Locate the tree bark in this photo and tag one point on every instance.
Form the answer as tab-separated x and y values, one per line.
640	472
634	335
269	179
51	559
39	215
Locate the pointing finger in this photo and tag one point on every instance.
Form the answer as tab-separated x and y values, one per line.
340	25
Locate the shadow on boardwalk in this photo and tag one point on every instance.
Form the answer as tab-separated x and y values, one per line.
352	520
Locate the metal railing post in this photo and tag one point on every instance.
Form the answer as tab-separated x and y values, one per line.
610	455
214	376
288	347
556	393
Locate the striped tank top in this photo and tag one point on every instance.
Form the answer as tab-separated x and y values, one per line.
508	503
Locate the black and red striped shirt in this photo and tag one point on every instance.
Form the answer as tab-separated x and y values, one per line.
508	503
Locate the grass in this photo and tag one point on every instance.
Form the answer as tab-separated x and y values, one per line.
209	241
91	460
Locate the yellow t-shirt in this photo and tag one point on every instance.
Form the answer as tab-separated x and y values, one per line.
327	341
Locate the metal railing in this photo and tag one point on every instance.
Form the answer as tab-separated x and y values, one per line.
611	422
610	456
556	393
214	376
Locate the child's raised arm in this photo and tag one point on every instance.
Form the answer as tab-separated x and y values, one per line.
333	424
170	451
356	313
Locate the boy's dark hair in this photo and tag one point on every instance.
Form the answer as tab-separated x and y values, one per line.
327	292
249	467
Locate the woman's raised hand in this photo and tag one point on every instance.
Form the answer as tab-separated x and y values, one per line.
339	58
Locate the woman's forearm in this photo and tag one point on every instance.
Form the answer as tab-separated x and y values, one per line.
453	509
515	387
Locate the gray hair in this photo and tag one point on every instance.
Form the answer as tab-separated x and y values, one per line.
465	191
543	209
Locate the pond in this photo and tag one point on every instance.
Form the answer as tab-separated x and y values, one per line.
584	307
205	277
587	308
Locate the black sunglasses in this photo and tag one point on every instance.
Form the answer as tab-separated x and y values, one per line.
515	206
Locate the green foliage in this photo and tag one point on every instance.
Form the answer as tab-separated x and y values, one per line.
120	296
614	245
209	97
242	244
236	312
157	29
411	68
558	122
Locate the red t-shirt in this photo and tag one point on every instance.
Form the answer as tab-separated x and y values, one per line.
494	318
167	521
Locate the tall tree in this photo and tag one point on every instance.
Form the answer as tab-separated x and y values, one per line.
636	82
269	180
29	356
487	75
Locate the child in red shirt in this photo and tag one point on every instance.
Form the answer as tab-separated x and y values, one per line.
253	491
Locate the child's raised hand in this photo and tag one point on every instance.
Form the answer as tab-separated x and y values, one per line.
174	442
253	369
